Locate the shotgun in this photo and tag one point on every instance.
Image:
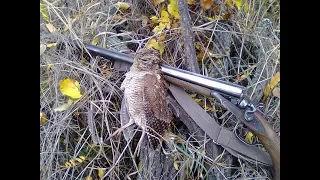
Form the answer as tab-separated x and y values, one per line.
245	111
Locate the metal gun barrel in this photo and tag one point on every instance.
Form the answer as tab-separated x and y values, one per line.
204	81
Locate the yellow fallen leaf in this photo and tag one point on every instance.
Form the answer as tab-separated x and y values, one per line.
212	18
210	109
64	106
51	44
273	82
44	12
198	45
175	25
82	157
226	16
229	3
165	17
164	21
176	165
117	17
242	77
276	92
249	137
72	163
100	173
200	56
65	28
218	17
43	118
193	95
88	178
76	18
49	66
158	45
95	41
162	37
67	164
122	5
246	6
158	28
238	4
161	47
215	9
206	4
191	2
173	9
167	25
152	43
43	47
70	88
51	28
218	56
154	19
156	2
197	100
79	160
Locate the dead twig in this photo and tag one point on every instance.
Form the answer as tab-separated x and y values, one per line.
187	34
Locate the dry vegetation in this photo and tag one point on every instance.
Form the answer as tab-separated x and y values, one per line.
240	46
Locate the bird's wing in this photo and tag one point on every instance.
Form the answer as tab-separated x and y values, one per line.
155	106
155	92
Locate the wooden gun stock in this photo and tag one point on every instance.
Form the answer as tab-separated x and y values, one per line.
268	138
259	126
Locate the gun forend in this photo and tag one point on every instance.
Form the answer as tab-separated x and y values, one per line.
194	78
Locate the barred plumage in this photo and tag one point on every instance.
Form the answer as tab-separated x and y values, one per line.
145	94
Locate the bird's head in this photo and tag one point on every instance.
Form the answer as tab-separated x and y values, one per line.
147	59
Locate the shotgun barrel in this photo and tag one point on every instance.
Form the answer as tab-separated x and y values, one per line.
220	86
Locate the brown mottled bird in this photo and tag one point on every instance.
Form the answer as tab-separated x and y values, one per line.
145	93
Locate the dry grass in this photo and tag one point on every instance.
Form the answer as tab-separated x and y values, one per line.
83	128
